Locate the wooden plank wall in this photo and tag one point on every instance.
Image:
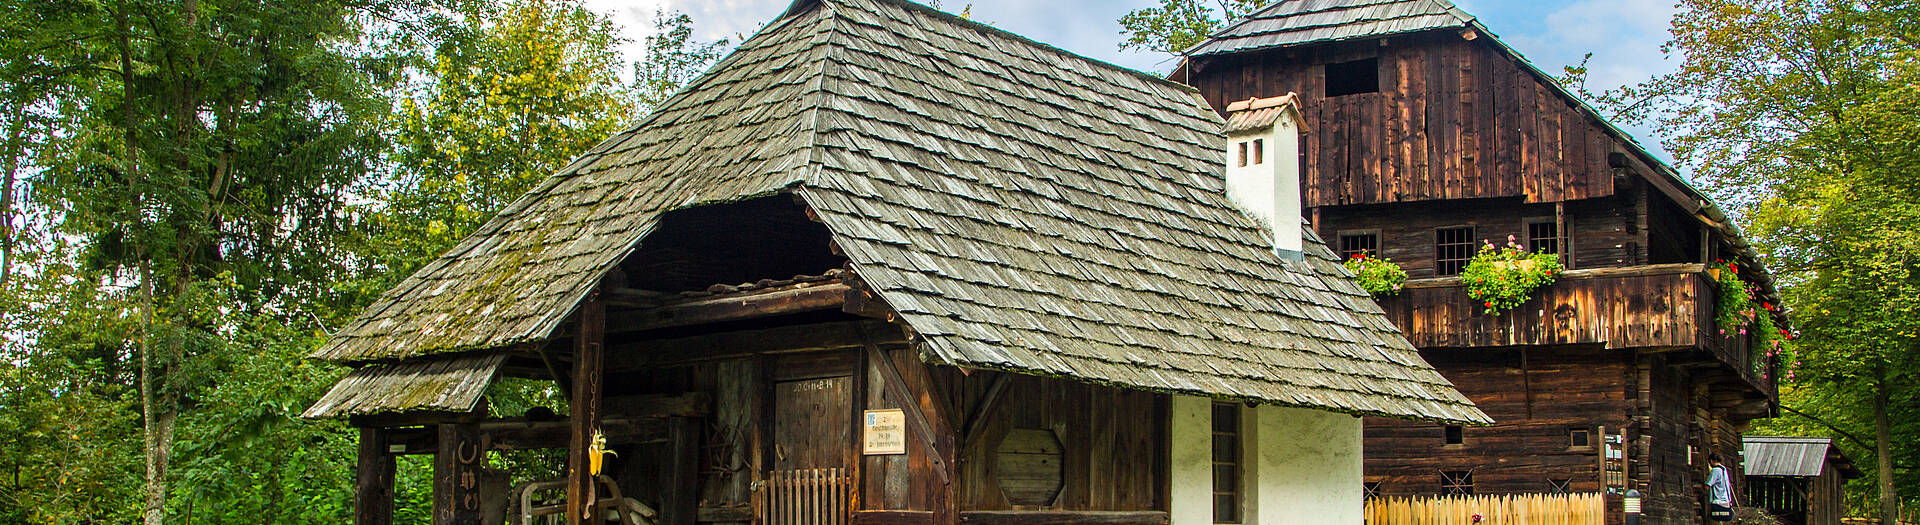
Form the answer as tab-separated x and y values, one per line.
1603	232
1115	443
1634	311
1453	119
1534	408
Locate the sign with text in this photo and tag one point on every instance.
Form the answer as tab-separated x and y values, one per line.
885	432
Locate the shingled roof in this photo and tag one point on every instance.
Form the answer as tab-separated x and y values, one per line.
1295	22
1021	207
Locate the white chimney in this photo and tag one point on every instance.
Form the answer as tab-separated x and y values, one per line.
1263	166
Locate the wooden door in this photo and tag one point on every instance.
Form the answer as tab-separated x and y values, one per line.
812	423
810	483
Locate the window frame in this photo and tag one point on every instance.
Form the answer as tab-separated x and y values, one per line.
1456	482
1558	239
1466	247
1571	444
1340	241
1235	435
1340	70
1453	435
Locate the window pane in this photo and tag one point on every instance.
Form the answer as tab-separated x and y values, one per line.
1452	248
1226	508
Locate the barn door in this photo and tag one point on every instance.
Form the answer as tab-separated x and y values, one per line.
810	483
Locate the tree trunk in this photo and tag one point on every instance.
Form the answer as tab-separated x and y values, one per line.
7	236
1883	452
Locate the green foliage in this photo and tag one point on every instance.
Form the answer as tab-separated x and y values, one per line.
196	192
1800	115
1377	275
1504	278
1177	25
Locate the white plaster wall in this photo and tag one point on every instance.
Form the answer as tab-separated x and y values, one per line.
1191	433
1270	191
1307	469
1304	466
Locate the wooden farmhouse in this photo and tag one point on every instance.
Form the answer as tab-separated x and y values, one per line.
883	265
1425	137
1800	480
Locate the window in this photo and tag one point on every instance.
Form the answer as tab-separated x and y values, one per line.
1579	438
1559	486
1226	463
1353	78
1359	242
1455	435
1452	249
1259	151
1370	489
1456	483
1243	154
1543	236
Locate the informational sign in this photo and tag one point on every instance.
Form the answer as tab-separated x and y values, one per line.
885	432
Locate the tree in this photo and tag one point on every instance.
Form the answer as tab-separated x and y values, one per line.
200	159
512	97
1800	114
1180	24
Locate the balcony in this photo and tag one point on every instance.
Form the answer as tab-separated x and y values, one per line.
1663	307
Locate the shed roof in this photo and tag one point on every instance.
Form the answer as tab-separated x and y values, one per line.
1793	456
1021	207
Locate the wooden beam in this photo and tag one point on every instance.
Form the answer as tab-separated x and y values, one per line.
976	422
654	353
916	419
1643	270
529	435
584	408
1687	203
412	419
373	479
892	517
456	475
733	307
1051	517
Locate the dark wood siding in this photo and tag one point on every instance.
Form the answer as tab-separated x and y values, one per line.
1454	119
1644	307
1535	406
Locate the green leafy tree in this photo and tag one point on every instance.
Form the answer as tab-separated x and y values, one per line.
1800	114
510	99
199	159
1177	25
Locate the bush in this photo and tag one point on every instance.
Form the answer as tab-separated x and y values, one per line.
1378	275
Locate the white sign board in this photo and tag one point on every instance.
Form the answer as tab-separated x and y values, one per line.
885	432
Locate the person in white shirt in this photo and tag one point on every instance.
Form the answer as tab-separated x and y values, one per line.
1719	490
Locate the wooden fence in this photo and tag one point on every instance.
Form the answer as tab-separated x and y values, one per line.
815	496
1518	509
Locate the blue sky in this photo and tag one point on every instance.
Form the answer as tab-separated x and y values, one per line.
1624	35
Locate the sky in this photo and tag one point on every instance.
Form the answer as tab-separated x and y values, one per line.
1624	35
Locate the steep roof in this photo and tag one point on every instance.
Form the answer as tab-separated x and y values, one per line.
1021	207
1295	22
1793	456
1288	23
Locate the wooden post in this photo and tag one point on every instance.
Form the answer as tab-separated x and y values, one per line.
584	408
457	460
679	500
373	480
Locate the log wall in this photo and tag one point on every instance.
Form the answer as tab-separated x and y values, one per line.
1535	407
1649	306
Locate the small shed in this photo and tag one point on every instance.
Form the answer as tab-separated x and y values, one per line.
1797	479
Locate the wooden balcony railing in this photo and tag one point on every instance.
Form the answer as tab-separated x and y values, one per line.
1654	307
